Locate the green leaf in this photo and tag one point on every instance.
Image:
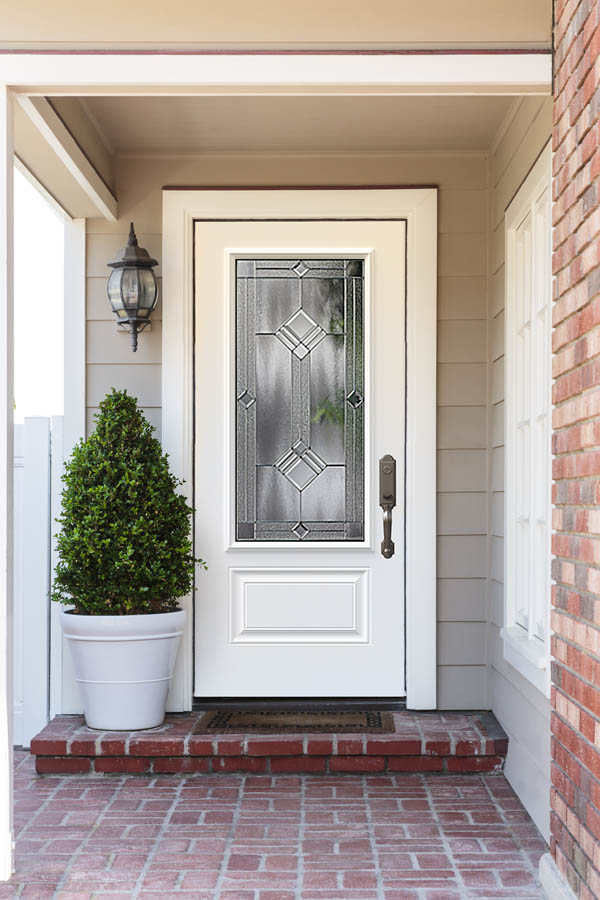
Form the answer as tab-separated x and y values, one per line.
124	542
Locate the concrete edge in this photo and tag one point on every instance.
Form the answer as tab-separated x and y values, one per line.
554	885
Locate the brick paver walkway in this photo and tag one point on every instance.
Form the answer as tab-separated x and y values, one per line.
248	837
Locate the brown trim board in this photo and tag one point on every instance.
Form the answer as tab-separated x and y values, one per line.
300	187
452	51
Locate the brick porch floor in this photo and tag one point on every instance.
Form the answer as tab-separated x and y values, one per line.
248	837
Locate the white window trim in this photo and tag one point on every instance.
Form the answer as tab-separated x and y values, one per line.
523	649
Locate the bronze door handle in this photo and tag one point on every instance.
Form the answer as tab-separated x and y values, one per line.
387	501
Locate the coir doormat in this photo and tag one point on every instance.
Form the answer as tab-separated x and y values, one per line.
265	722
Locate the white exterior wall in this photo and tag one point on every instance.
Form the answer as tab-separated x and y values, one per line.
522	710
462	379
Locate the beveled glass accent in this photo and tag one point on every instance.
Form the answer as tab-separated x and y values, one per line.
300	334
246	399
300	400
300	465
354	399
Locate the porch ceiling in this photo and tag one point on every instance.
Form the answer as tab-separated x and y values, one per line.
155	125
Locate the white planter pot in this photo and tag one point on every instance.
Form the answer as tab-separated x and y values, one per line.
124	666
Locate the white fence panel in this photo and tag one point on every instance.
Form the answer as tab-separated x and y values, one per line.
18	482
38	465
65	696
56	638
36	576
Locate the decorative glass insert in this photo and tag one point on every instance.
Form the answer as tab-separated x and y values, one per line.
300	400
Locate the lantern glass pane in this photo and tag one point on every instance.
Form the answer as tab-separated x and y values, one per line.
114	290
130	288
148	291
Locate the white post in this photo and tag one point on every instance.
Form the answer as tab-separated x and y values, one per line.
6	493
36	575
64	691
74	329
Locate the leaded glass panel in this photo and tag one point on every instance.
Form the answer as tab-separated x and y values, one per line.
300	400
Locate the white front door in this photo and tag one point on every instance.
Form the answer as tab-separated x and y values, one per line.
299	391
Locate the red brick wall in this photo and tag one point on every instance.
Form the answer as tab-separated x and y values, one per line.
575	818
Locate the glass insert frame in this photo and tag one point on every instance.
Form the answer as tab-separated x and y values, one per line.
300	338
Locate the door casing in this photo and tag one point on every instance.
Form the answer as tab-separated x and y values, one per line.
418	206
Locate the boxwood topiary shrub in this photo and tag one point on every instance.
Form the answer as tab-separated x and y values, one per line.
124	543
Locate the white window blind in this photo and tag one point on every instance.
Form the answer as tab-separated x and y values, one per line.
528	428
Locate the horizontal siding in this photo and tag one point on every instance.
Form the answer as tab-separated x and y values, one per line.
462	600
461	298
521	709
462	513
464	640
461	470
461	341
461	556
103	247
462	212
460	426
462	384
525	716
143	381
109	345
462	355
462	254
497	291
506	181
466	683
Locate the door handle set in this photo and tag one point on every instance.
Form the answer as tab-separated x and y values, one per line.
387	501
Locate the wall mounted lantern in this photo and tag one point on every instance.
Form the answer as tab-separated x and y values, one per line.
132	287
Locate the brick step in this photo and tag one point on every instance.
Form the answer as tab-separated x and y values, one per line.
422	742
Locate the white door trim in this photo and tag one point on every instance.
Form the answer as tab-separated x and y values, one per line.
419	207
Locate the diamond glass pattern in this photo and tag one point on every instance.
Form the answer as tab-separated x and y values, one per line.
300	334
246	399
300	467
300	400
354	399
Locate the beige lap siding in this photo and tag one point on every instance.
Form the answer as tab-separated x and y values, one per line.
109	359
462	370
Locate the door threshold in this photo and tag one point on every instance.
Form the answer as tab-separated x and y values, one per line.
291	704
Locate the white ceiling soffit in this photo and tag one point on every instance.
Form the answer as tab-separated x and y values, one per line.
32	149
48	149
156	125
180	24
